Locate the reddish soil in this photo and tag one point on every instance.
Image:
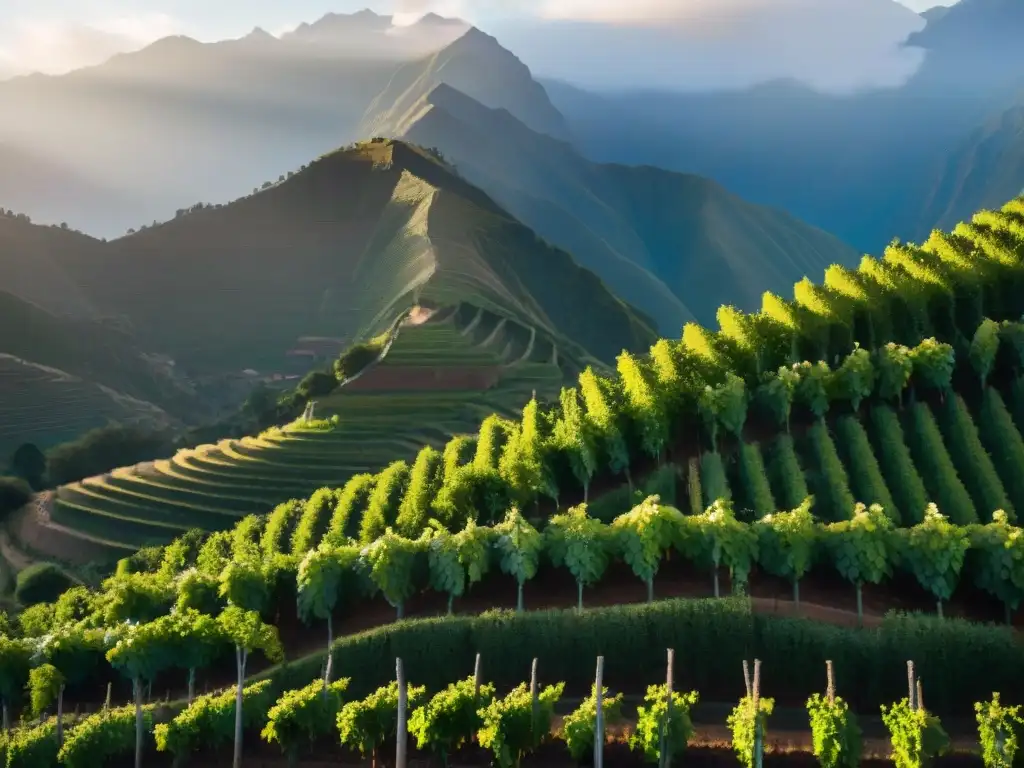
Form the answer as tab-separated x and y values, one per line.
394	378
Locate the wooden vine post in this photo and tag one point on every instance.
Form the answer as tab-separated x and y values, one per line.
666	745
106	702
756	703
400	747
477	679
830	691
599	714
533	699
911	688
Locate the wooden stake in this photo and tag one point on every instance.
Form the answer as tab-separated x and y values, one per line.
533	698
746	679
666	744
830	691
920	696
599	714
400	747
106	703
758	736
476	689
910	686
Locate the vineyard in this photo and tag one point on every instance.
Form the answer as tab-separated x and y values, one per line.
439	378
493	714
895	458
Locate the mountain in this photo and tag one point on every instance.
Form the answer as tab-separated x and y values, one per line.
237	113
367	35
480	67
987	167
935	13
675	244
339	250
834	45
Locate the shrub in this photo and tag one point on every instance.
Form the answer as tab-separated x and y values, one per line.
210	720
835	734
33	746
866	481
828	480
29	463
41	583
650	722
713	479
787	476
304	715
578	727
509	728
999	728
368	724
743	722
757	492
937	469
451	717
103	449
1005	445
103	737
15	493
972	461
897	465
917	735
357	357
316	384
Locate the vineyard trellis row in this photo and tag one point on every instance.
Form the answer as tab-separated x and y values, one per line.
509	726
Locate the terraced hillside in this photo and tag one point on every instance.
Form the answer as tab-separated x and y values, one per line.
444	372
928	409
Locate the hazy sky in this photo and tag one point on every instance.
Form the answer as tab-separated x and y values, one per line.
59	35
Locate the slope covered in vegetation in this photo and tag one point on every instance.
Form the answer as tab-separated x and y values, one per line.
903	413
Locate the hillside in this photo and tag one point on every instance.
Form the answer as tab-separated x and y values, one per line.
985	167
676	244
339	251
919	403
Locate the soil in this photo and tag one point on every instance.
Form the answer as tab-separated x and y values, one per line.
397	378
783	750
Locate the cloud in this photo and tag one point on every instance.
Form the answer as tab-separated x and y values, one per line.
55	46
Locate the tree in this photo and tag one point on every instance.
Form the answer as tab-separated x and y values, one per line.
863	548
140	653
573	435
249	634
391	563
854	380
523	462
74	651
935	549
895	367
603	415
643	404
645	535
15	663
580	543
15	493
813	388
319	583
933	365
446	572
997	552
29	463
724	405
983	350
787	542
720	538
196	639
243	583
777	394
518	546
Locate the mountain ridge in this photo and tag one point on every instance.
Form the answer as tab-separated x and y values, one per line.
591	210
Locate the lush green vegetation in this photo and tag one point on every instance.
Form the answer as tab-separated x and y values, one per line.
359	709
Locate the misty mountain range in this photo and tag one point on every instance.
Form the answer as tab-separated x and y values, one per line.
179	122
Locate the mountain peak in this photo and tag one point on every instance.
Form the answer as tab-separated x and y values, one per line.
259	34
